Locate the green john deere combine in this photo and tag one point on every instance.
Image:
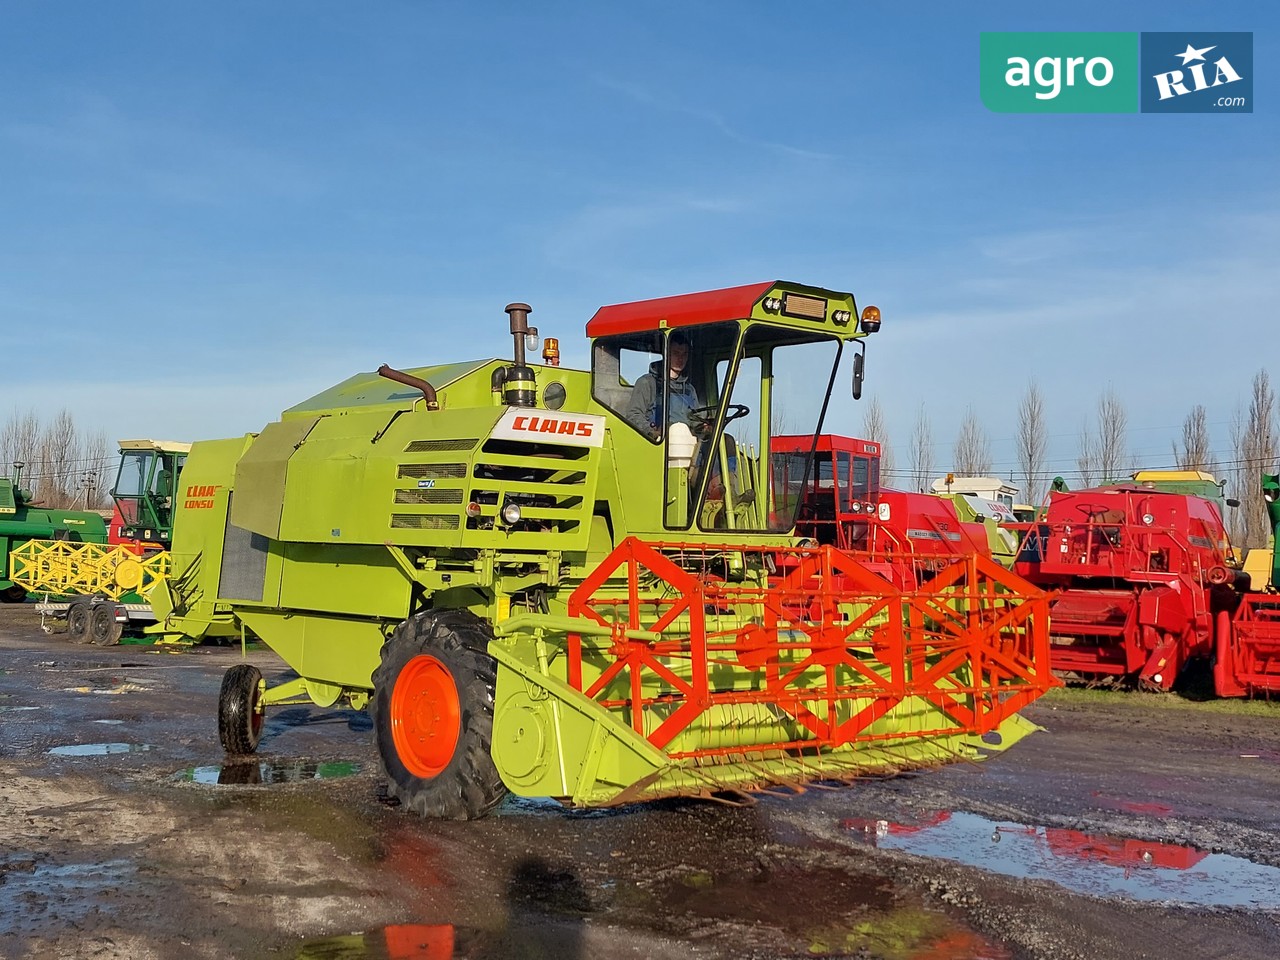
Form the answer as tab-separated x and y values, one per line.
585	584
22	521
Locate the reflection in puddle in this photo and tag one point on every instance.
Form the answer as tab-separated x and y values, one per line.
108	721
409	941
826	911
267	771
98	749
1099	865
513	805
8	709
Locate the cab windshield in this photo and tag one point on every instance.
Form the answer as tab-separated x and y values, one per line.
713	396
146	487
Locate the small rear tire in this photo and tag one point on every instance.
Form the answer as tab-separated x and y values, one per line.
240	709
104	629
432	710
13	594
79	621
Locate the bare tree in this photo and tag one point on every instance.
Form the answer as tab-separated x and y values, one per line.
876	428
56	461
1194	452
1033	442
1254	438
63	468
1113	437
1087	458
921	451
97	459
1237	485
972	453
19	441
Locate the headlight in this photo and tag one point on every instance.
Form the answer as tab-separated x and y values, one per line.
511	513
1148	519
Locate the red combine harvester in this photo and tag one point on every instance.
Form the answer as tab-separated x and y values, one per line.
908	536
1148	581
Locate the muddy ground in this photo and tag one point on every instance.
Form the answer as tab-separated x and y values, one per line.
1134	826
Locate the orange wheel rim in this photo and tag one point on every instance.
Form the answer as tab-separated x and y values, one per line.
426	717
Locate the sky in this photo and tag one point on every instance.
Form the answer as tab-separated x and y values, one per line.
212	211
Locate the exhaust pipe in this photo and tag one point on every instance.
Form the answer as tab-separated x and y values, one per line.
409	380
519	389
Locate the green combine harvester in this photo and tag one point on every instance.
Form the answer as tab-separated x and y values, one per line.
585	584
22	521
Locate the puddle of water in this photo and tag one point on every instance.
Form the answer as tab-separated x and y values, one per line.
7	709
266	772
98	749
113	722
828	912
1095	864
513	806
418	940
42	893
118	688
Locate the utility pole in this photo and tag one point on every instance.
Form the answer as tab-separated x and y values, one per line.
88	481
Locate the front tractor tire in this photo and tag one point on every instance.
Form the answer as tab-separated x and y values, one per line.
240	710
432	709
14	593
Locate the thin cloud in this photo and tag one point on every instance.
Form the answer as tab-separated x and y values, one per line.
170	162
646	97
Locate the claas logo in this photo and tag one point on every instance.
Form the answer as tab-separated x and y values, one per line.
556	425
200	497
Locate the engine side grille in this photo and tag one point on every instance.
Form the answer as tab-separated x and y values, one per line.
438	446
423	521
437	471
428	496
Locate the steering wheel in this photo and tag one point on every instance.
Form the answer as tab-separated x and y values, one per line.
703	418
1091	510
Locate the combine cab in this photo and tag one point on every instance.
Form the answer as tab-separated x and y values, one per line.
1148	582
587	584
907	537
145	492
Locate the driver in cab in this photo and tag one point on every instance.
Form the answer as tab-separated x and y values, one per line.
681	397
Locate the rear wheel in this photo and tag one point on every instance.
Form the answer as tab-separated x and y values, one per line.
240	709
13	594
79	621
104	629
432	712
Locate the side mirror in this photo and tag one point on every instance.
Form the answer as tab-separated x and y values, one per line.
1232	502
858	366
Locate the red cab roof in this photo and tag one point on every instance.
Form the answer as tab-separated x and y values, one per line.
826	441
690	309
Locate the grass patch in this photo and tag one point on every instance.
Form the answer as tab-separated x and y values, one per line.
1141	700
